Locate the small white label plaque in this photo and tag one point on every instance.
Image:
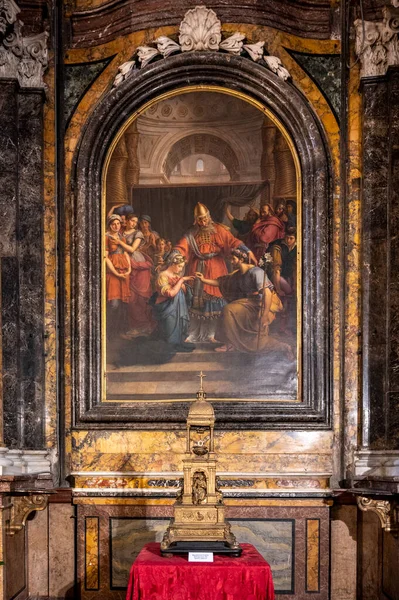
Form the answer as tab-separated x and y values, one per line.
200	557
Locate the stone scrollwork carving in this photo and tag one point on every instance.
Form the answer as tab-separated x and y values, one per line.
8	14
243	483
377	43
22	58
387	512
21	508
200	31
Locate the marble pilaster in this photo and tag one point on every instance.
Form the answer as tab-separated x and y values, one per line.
9	263
381	262
30	251
22	63
375	221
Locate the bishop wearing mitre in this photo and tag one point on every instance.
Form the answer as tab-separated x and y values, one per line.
206	246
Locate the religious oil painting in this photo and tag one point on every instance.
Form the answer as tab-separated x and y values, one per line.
201	245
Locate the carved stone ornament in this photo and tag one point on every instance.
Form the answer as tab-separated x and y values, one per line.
146	54
22	58
200	31
377	43
8	14
21	508
233	44
275	65
255	51
166	46
386	511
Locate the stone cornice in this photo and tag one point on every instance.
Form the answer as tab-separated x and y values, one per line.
21	58
377	43
305	18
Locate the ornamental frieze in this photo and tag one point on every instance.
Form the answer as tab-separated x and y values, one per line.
201	31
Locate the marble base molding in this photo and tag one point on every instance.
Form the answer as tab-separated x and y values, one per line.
376	463
167	485
6	462
18	462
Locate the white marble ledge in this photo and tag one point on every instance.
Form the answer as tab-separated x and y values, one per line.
376	463
21	462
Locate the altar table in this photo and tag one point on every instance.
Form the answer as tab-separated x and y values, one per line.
154	577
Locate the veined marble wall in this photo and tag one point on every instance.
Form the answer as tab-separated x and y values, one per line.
124	479
312	454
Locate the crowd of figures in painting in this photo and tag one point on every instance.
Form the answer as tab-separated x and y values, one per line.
227	288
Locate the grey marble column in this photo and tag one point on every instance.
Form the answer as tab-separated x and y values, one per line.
376	464
24	60
8	258
21	255
381	262
31	274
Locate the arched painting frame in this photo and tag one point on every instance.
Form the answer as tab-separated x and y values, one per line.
286	105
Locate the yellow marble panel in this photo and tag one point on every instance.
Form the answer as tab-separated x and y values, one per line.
312	555
115	501
50	258
226	442
277	502
238	452
92	577
353	312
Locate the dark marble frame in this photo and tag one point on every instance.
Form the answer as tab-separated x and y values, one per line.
295	113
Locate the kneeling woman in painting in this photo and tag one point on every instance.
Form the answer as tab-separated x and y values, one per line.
253	304
169	304
117	281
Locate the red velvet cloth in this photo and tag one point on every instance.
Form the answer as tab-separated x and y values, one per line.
154	577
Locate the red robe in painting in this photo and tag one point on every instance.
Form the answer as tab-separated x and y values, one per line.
265	232
216	244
